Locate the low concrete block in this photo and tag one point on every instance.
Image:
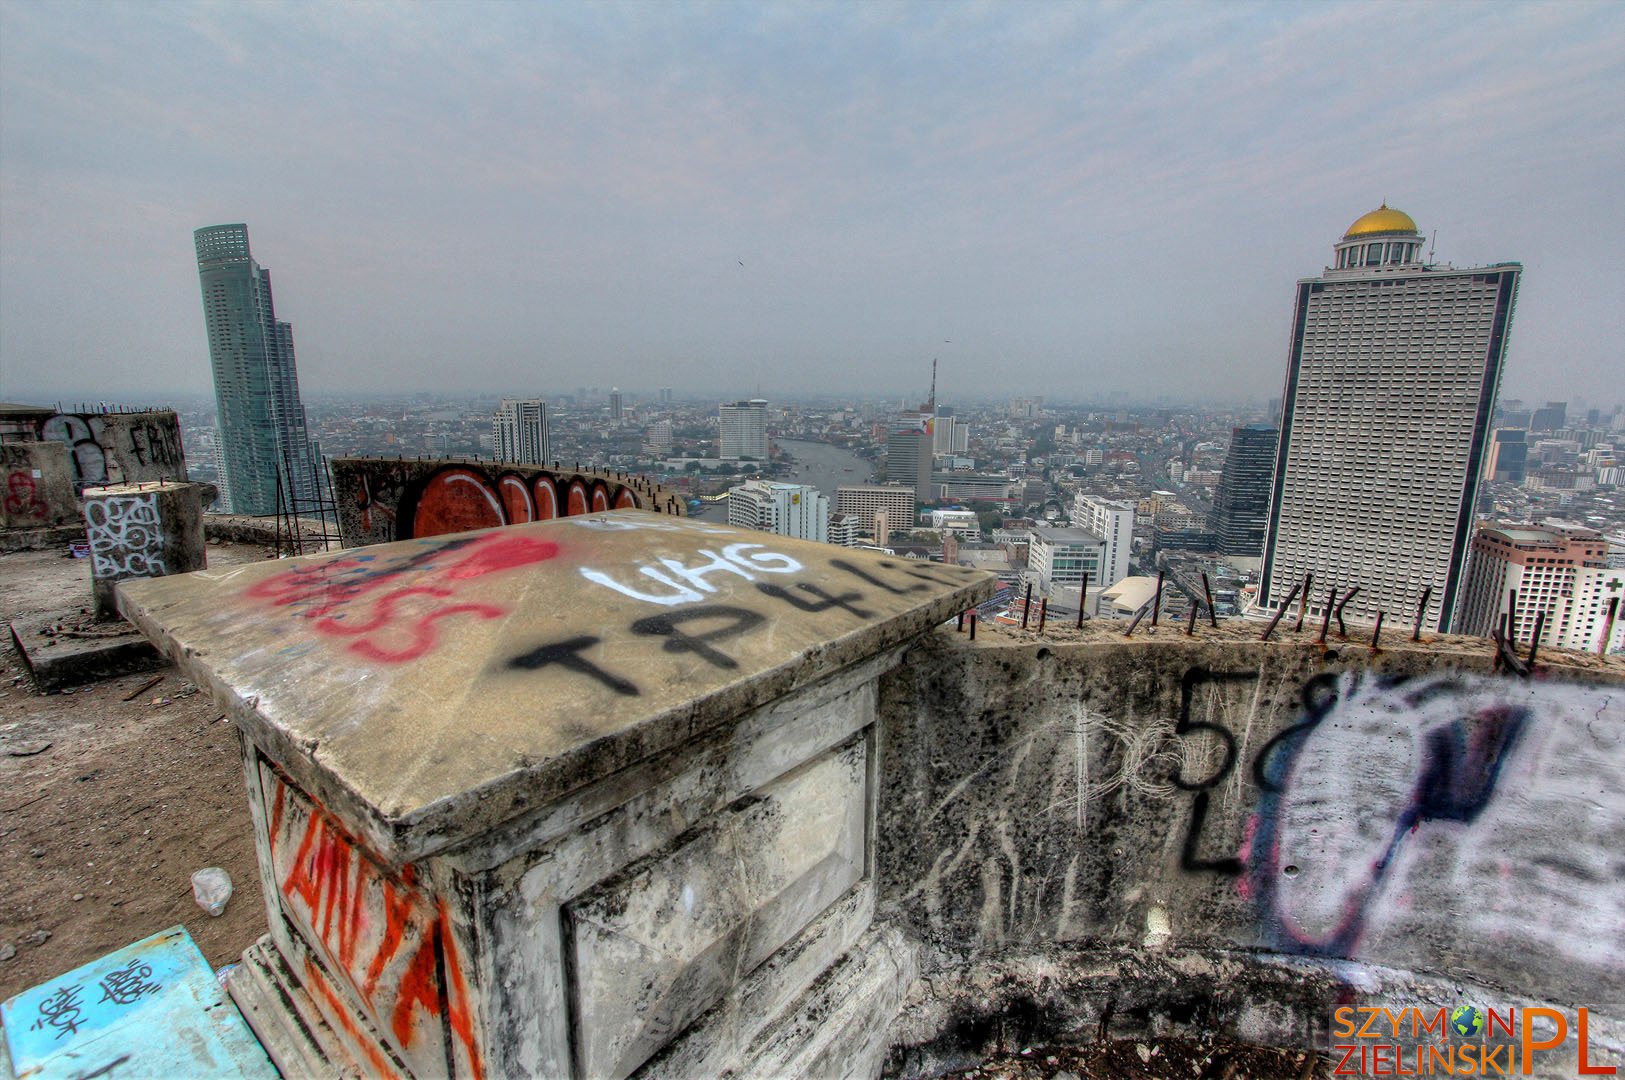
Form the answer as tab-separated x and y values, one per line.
141	530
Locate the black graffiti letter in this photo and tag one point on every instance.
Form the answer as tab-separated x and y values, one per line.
567	654
666	625
824	601
1199	804
859	572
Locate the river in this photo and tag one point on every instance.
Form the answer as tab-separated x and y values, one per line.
825	467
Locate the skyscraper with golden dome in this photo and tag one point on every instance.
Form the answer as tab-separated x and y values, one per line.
1390	383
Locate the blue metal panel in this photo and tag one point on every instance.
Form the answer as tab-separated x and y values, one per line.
152	1009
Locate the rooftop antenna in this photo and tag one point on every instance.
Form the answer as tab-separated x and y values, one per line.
1432	244
931	402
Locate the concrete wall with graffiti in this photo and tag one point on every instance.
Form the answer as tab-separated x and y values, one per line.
47	458
36	486
1241	796
381	500
119	447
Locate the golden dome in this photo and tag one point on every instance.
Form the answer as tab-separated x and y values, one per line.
1384	219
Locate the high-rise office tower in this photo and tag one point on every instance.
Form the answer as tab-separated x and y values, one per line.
1390	384
1241	504
743	431
519	431
263	433
616	406
908	456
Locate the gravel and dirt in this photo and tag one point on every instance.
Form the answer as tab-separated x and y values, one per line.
108	805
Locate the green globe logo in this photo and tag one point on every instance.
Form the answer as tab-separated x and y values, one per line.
1466	1021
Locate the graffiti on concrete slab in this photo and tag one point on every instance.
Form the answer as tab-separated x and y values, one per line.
374	928
126	985
684	584
83	434
22	496
124	535
699	630
63	1010
119	447
383	500
154	443
390	608
1363	781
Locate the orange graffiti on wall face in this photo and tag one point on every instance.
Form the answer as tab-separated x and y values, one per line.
460	498
381	933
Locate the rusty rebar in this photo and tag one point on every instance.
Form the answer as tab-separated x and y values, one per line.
1156	602
1083	598
1376	631
1043	613
1138	615
1421	610
1512	616
1303	603
1534	642
1608	625
960	629
1507	658
1196	609
1326	616
1207	590
1280	612
1026	605
973	624
1342	630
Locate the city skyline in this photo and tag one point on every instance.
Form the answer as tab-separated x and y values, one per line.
791	198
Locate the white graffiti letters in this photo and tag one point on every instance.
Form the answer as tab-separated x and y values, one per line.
734	559
124	537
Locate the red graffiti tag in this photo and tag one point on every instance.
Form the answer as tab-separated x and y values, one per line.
393	944
359	597
22	498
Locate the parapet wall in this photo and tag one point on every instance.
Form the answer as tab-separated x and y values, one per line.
1051	811
381	500
47	458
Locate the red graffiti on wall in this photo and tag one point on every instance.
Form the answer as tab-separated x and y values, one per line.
460	498
22	497
393	945
394	607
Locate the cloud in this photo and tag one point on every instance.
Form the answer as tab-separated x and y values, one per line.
1097	196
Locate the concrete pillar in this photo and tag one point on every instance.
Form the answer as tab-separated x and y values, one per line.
141	530
574	798
36	485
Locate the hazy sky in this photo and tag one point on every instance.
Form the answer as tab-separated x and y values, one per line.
1052	198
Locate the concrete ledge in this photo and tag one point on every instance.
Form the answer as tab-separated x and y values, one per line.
82	652
291	1026
955	1017
41	539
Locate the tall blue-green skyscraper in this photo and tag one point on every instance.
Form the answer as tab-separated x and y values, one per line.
263	434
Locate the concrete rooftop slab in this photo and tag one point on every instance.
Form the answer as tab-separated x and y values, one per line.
438	686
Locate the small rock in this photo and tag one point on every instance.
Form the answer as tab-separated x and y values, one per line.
78	896
1065	1074
38	937
29	749
1143	1050
7	951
